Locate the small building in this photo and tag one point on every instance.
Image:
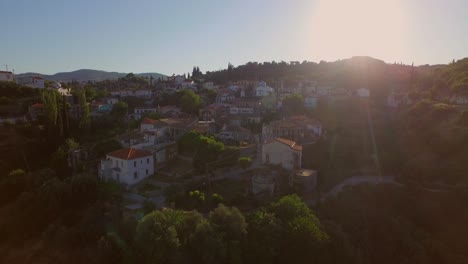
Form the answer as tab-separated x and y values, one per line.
263	90
127	165
7	76
284	152
363	92
234	132
179	126
154	125
241	110
32	81
139	112
110	100
225	96
169	110
295	128
208	113
99	106
310	102
304	181
208	85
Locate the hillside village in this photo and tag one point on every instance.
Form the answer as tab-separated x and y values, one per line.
193	141
267	124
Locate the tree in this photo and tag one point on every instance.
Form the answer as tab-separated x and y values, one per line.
119	110
85	117
300	229
190	102
90	93
156	238
206	245
104	147
245	162
229	223
211	96
198	198
16	173
286	231
294	104
59	160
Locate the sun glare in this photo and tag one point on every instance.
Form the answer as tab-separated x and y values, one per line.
344	28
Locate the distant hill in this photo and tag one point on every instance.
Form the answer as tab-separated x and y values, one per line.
87	75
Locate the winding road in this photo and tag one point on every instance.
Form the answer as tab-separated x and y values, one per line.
356	180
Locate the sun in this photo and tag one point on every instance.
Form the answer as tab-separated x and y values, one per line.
345	28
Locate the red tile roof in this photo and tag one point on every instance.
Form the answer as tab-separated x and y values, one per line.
129	154
288	142
149	121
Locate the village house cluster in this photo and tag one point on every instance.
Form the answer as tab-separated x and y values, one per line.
235	116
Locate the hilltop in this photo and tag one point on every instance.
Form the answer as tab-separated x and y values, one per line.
87	75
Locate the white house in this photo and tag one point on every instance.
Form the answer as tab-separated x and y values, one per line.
397	99
225	97
234	88
7	76
139	112
263	90
310	101
153	125
241	110
33	82
128	165
233	132
294	128
169	110
179	79
363	92
208	85
110	100
280	151
143	93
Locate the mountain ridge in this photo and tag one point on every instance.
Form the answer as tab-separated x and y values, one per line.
87	75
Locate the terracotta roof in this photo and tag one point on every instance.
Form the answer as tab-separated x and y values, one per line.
149	121
38	105
287	142
129	154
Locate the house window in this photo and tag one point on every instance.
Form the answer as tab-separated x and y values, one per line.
134	164
147	161
146	172
141	161
121	164
135	175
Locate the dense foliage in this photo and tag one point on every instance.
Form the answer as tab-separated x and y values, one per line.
205	149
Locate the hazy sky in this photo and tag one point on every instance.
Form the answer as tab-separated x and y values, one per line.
172	36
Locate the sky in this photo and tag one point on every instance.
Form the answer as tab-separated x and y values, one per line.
172	36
